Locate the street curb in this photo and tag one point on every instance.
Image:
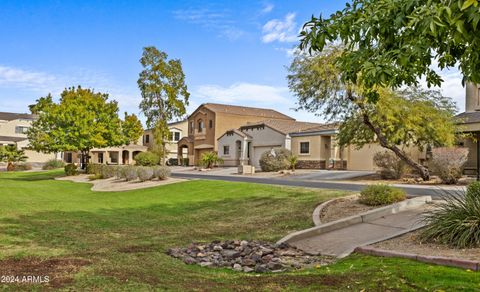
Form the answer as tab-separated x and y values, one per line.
318	210
356	219
437	260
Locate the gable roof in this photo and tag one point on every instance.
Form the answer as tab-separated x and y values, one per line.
244	111
14	116
282	126
235	131
468	118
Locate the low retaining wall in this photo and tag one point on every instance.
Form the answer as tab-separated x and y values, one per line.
443	261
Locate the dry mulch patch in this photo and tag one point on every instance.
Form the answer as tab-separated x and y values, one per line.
54	272
342	208
410	243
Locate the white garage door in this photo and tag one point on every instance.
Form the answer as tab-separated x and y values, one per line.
257	153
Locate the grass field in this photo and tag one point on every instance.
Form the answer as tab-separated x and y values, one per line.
116	241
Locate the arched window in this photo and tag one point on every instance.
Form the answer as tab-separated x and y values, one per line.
200	126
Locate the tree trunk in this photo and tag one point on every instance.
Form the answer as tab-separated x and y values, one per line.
422	170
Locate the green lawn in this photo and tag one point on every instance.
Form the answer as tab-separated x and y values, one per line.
117	241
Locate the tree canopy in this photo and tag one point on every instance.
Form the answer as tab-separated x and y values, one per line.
410	117
11	154
394	43
81	120
132	128
164	93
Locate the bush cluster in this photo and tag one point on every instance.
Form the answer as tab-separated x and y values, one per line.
22	166
147	159
53	164
71	169
276	160
456	221
128	172
391	167
376	195
448	163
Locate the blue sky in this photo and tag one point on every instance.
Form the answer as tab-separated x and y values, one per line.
232	51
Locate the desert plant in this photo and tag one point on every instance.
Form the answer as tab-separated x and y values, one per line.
11	155
107	171
144	173
119	172
70	169
293	160
448	162
94	168
161	172
147	159
456	220
210	159
53	164
130	173
391	167
376	195
22	166
275	160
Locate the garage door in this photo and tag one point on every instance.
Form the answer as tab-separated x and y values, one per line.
258	151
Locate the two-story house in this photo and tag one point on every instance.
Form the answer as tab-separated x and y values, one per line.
177	131
211	120
13	131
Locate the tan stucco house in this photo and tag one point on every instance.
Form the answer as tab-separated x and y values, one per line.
211	120
177	129
13	131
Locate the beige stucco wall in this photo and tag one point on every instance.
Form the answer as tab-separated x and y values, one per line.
234	158
472	100
172	146
316	152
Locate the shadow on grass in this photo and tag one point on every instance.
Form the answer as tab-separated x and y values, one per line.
29	176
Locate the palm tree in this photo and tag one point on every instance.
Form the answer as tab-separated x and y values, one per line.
210	159
11	154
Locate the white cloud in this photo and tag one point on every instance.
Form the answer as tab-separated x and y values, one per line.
267	8
289	52
242	93
280	30
217	20
20	78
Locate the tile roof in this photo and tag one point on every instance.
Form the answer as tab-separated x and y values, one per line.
14	116
320	127
468	118
238	132
246	111
283	126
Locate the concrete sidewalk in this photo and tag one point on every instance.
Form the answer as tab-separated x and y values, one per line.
341	242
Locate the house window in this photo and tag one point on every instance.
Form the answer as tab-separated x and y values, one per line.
147	139
176	136
100	157
210	124
304	147
226	150
68	157
200	126
21	130
191	127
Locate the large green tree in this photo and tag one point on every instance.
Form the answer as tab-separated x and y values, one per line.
399	119
132	128
164	93
394	43
81	120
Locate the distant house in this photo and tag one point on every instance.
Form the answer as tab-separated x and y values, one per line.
13	131
177	131
210	121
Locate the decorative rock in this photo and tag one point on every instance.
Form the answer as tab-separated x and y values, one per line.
247	256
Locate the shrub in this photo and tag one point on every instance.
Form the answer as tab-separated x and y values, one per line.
144	173
70	169
292	161
107	171
448	163
130	173
391	167
94	168
161	172
275	160
376	195
22	166
53	164
456	221
210	159
147	159
120	172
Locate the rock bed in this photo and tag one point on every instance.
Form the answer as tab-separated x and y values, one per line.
248	256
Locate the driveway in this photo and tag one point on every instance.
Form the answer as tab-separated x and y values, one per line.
322	175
